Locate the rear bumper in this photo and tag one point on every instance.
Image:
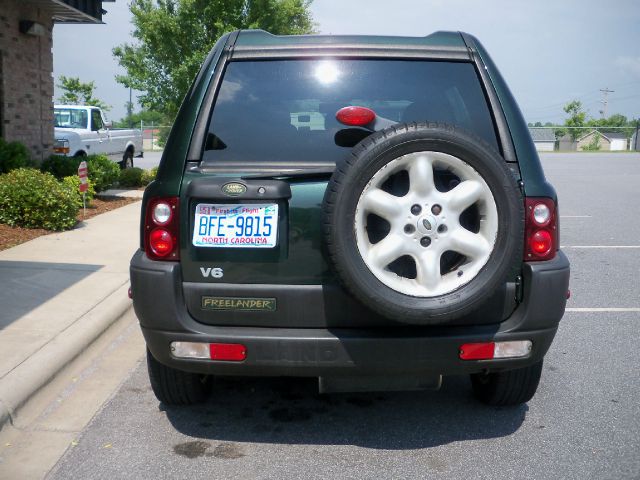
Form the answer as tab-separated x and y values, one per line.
160	307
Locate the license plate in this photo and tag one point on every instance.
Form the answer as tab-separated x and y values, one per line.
252	225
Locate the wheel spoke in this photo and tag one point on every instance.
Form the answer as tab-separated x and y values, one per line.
421	175
406	216
386	251
381	203
469	244
428	269
464	195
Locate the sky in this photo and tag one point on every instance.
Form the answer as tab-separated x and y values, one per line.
549	51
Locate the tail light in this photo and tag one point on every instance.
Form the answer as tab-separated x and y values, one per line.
161	229
541	229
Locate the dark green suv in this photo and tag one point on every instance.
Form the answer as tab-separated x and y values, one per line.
370	211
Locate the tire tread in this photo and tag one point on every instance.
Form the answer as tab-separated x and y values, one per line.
511	387
175	387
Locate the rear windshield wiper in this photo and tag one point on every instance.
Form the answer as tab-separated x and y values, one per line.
322	172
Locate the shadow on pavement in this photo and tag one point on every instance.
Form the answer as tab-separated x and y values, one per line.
290	411
27	285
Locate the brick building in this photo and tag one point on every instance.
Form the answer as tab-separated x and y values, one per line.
26	66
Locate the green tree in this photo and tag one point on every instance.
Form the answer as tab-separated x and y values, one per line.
174	36
615	123
147	117
75	92
594	144
577	118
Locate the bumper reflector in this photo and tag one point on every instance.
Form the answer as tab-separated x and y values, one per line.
230	352
491	350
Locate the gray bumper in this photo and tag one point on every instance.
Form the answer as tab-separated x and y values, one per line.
160	306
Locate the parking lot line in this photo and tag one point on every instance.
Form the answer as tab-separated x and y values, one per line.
605	309
600	246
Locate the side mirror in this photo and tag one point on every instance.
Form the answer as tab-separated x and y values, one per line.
107	124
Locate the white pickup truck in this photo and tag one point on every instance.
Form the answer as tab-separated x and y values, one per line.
83	130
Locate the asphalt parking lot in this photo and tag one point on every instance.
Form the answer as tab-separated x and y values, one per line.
149	160
584	421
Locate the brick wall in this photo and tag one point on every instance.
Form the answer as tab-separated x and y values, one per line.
26	81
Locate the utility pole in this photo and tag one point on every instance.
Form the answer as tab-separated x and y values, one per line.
605	91
130	109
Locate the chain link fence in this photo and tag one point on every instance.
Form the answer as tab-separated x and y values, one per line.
567	139
154	136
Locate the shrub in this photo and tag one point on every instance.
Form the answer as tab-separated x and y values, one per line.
60	166
131	177
13	155
103	173
32	199
73	182
149	176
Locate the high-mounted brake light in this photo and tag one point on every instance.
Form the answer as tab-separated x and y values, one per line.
161	229
355	116
541	229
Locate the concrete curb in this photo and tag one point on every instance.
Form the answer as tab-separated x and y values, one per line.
39	369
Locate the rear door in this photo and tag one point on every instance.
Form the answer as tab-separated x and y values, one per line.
279	116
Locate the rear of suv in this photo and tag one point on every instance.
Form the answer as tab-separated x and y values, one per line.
370	211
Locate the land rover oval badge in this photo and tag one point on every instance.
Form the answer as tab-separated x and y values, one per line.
233	189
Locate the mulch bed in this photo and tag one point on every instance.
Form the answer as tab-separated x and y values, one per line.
12	236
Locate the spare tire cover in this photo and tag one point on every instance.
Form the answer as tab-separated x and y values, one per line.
423	222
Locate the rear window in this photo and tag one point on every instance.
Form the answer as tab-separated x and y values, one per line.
284	111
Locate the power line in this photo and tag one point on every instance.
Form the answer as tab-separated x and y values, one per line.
605	92
584	97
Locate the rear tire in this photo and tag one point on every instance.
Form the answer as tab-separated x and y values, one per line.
175	387
512	387
127	160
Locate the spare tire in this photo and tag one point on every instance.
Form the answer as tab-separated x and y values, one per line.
423	222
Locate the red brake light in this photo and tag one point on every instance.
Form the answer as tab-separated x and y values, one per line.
161	229
355	116
160	242
541	242
541	229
